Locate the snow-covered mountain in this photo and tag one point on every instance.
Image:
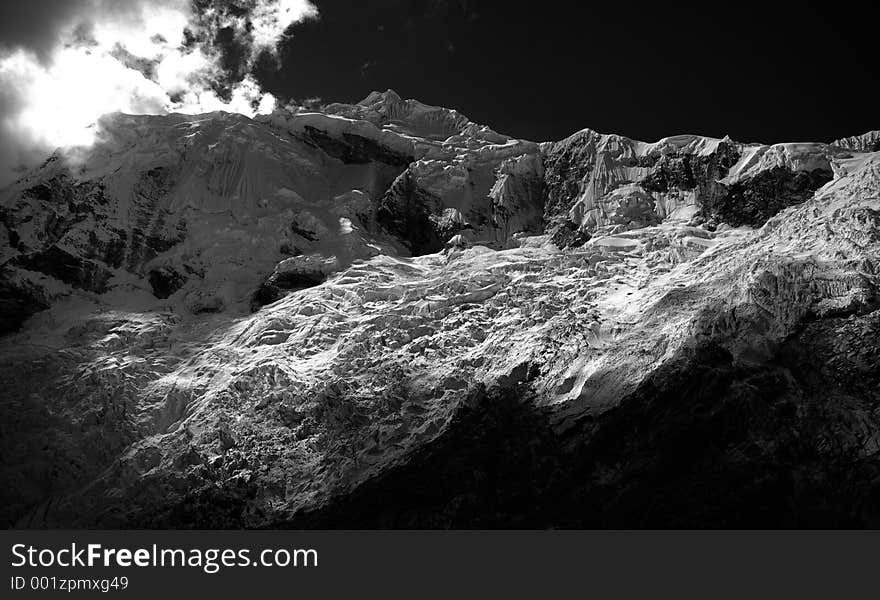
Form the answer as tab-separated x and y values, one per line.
384	314
867	142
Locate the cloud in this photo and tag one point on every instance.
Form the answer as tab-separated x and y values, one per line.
64	63
36	25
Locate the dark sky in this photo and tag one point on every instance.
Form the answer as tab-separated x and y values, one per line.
542	70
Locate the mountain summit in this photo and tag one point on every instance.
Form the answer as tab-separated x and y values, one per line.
384	314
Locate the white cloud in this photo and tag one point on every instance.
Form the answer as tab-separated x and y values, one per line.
137	30
55	102
270	19
59	102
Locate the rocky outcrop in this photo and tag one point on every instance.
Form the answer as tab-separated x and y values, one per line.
567	234
165	281
610	182
354	149
19	300
518	196
71	232
753	201
162	203
495	192
405	211
291	274
867	142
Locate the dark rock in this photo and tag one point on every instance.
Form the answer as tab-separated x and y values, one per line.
288	249
278	285
753	201
688	171
74	241
302	231
57	262
165	281
201	302
18	302
566	234
354	148
518	203
867	142
565	165
406	211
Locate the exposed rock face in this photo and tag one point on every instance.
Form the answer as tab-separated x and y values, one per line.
473	179
72	233
567	234
405	212
608	181
354	148
295	273
754	201
175	205
867	142
19	300
518	196
615	333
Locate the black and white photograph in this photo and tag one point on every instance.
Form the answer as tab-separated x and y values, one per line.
326	265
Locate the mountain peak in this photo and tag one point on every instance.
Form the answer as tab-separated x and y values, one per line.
867	142
389	96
